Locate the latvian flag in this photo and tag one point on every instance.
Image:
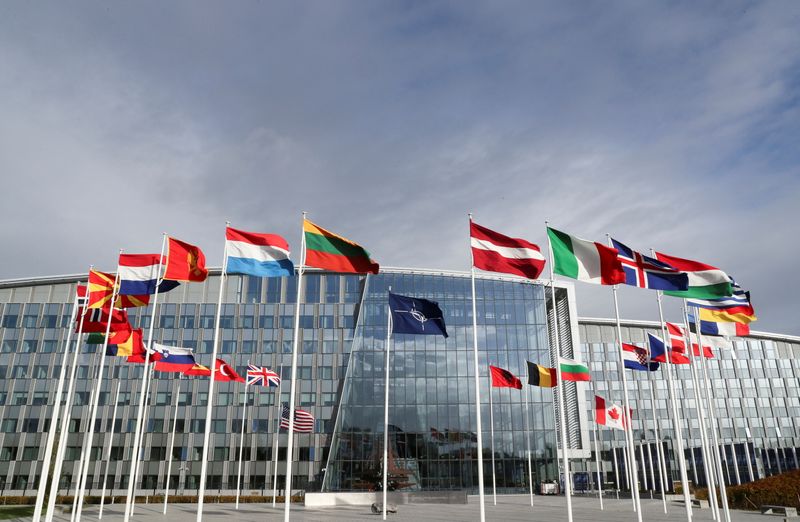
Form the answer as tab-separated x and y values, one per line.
303	421
494	252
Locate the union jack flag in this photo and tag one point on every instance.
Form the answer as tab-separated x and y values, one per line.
262	376
645	272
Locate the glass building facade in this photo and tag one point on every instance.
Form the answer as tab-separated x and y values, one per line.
340	378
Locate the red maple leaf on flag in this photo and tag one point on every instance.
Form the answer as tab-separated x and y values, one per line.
613	413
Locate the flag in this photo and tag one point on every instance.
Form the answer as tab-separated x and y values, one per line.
411	315
260	255
198	370
734	308
140	357
705	281
657	352
541	376
503	378
714	328
96	321
185	262
225	373
572	370
713	342
707	352
677	339
101	288
81	292
609	414
585	261
113	337
262	376
139	275
637	358
494	252
328	251
174	359
645	272
303	420
130	347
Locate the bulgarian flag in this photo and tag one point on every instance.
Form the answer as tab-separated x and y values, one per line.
585	261
572	370
705	281
328	251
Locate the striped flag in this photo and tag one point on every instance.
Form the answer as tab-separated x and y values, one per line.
494	252
303	421
586	261
572	370
332	252
262	376
731	309
260	255
705	281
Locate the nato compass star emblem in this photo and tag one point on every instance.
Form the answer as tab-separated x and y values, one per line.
416	314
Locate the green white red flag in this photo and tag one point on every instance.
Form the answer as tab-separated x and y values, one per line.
586	261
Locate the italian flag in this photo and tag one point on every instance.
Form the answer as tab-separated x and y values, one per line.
328	251
572	370
705	281
585	261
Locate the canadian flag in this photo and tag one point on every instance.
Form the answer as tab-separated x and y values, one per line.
609	414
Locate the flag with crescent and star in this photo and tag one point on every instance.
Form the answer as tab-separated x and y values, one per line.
411	315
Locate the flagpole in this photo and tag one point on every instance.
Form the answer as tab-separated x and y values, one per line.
676	423
705	451
292	385
62	438
481	495
51	435
275	440
491	432
172	441
142	390
81	463
241	446
661	474
108	452
210	401
713	420
562	385
386	407
148	397
598	460
528	443
652	466
616	467
644	467
96	401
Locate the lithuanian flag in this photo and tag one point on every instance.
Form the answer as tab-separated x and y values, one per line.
328	251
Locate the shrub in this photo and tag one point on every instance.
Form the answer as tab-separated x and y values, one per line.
781	490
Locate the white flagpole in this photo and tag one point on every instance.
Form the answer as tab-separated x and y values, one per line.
706	452
293	384
241	446
712	411
491	436
81	463
562	393
172	441
616	467
96	401
148	397
661	470
386	407
735	464
276	441
62	438
481	495
598	463
142	391
528	443
210	402
644	467
51	435
653	466
637	506
108	452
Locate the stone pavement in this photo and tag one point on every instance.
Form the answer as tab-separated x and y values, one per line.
509	508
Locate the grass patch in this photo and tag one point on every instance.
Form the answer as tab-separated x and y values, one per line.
9	512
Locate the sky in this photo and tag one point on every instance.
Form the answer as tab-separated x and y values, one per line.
669	125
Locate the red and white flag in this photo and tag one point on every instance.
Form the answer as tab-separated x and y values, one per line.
609	414
494	252
676	338
225	373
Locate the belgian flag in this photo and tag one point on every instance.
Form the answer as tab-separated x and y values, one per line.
541	376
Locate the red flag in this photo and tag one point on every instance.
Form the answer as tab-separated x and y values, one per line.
96	321
198	370
185	262
504	379
707	353
225	373
495	252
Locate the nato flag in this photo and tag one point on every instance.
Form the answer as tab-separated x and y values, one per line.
416	316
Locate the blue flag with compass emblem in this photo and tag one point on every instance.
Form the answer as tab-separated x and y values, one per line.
411	315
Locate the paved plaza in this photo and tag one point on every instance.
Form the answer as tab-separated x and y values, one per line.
508	508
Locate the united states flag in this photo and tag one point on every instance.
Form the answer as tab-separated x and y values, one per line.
303	421
262	376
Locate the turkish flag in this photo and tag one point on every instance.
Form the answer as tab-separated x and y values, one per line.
225	373
185	262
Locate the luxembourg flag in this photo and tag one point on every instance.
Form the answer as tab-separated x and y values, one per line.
174	359
260	255
139	274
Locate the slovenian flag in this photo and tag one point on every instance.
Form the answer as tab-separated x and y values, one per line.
260	255
174	359
139	274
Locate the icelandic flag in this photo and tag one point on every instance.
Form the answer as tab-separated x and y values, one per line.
411	315
260	255
174	359
646	272
637	358
139	274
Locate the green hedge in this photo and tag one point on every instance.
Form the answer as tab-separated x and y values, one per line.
779	490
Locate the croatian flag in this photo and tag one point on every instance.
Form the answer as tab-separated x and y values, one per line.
637	358
260	255
139	274
645	272
174	359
